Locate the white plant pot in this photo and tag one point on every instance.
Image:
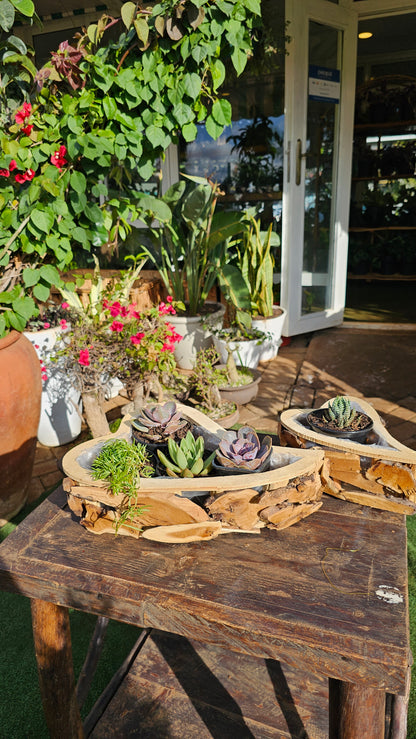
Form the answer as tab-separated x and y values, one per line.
273	326
61	407
195	336
245	353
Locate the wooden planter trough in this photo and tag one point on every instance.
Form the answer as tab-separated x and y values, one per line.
380	473
288	492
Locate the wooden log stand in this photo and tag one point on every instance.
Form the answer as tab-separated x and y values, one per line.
380	473
290	491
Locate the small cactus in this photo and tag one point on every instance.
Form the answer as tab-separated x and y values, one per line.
186	458
340	412
243	450
159	421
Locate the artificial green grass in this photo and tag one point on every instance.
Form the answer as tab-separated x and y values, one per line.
21	715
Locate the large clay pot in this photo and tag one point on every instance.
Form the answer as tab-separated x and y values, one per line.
20	396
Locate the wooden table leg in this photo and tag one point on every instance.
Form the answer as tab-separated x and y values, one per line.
52	638
355	711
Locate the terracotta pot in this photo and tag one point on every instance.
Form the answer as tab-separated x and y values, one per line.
20	397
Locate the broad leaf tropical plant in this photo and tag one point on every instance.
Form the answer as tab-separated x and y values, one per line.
71	161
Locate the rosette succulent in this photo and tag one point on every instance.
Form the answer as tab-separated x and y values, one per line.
186	458
242	449
159	422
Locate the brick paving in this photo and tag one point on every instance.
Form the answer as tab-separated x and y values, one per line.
292	380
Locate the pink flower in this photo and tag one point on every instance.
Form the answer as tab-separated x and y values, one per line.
63	324
24	112
115	309
12	165
36	346
25	177
117	326
167	347
44	377
46	325
4	173
65	305
124	312
169	298
84	358
27	129
106	304
58	158
137	338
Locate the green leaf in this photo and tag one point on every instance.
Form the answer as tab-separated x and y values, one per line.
192	84
50	274
78	181
41	292
156	136
213	128
254	6
92	32
80	235
183	114
93	213
189	132
142	30
30	277
25	7
239	60
222	112
6	15
218	73
128	12
42	219
17	43
109	107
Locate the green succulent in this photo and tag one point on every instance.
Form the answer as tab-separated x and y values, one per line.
186	458
340	412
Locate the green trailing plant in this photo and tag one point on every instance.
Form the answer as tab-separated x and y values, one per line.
186	458
159	422
192	250
17	61
122	465
74	158
340	413
242	449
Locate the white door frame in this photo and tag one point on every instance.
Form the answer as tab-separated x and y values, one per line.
344	19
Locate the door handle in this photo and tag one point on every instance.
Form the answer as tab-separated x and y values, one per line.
299	157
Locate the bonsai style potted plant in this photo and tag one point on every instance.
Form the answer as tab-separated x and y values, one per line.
256	262
204	383
341	419
191	254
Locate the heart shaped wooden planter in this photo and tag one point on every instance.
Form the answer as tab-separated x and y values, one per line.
380	473
288	492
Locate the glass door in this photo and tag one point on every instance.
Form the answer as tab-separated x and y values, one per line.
320	89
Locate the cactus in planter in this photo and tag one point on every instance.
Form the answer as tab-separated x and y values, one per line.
186	458
242	450
340	412
157	423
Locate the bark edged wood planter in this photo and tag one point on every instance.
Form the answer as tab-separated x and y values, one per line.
288	492
380	473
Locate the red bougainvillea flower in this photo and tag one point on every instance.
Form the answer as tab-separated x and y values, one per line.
115	309
58	158
137	339
124	311
25	176
46	325
44	377
84	358
106	303
27	129
4	173
117	326
63	324
24	112
12	165
165	309
169	298
65	305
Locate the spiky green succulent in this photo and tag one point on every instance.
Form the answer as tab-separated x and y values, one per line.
243	449
186	458
159	421
340	412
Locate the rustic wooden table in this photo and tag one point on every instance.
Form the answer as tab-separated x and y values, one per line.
327	597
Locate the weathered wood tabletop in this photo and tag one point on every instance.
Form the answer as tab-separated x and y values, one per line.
329	593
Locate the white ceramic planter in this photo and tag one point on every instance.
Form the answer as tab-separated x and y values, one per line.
61	408
195	336
272	325
245	353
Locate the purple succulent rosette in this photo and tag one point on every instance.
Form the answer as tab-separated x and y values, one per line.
242	449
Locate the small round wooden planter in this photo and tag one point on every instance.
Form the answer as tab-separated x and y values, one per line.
288	492
380	473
